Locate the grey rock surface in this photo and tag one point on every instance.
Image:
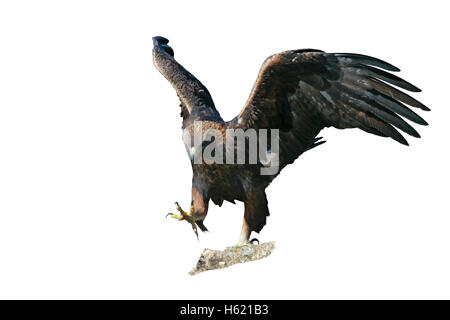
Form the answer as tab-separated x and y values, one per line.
216	259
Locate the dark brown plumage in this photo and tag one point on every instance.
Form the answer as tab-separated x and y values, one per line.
299	92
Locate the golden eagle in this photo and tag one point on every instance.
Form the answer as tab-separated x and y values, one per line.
297	92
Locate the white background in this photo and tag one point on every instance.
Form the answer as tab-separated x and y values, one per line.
91	156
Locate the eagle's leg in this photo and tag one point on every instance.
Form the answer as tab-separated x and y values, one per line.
245	234
188	216
255	214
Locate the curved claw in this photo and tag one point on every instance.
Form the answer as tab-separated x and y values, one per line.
187	216
253	241
178	207
194	228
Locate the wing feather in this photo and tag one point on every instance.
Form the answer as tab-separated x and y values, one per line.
368	71
356	59
303	91
371	96
378	111
389	91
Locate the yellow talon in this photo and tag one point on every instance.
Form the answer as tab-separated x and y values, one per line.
248	242
242	244
188	216
176	216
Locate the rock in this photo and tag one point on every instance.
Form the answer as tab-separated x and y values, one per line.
216	259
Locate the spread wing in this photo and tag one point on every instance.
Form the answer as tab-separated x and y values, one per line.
196	102
302	91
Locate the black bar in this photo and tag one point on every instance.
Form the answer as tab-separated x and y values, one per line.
226	309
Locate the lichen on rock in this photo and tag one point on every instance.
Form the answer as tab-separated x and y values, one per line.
216	259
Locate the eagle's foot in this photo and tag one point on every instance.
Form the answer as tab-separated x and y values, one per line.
188	216
248	242
242	244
